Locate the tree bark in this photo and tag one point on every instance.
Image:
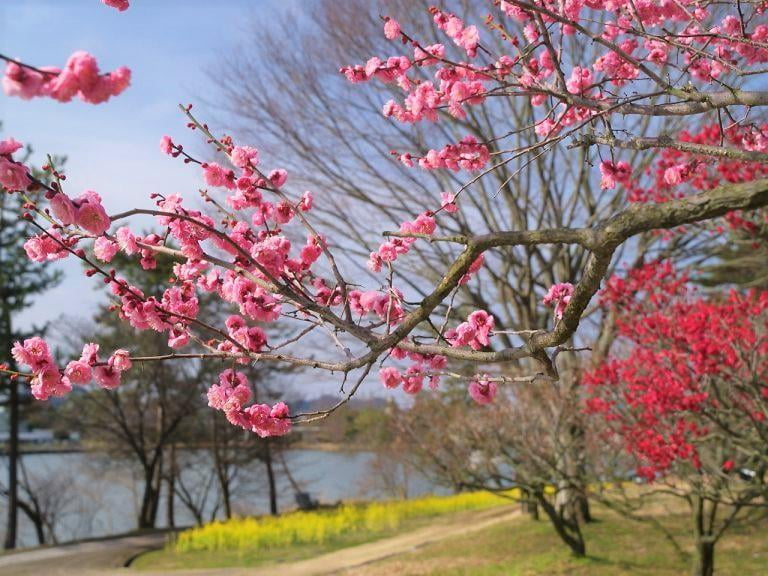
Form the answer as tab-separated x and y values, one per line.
221	466
704	562
270	477
703	512
150	496
568	530
529	505
39	530
171	483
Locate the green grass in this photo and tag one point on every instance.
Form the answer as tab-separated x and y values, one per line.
616	547
299	535
520	547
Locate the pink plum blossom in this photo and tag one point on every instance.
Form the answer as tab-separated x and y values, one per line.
105	248
390	377
391	29
482	390
559	296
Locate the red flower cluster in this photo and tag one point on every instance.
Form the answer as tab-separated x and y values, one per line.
691	357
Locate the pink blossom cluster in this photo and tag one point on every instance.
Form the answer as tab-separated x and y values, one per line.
467	154
465	37
253	300
252	338
48	246
616	67
392	69
707	50
14	176
48	381
85	211
458	87
552	124
231	395
475	332
80	77
679	173
106	247
424	224
172	313
412	379
613	172
246	187
559	296
580	80
482	389
387	306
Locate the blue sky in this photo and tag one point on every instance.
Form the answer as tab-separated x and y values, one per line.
113	148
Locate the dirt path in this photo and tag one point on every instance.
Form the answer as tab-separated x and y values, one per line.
107	557
347	559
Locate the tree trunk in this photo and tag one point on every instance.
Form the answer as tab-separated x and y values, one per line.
171	481
13	462
567	529
529	505
270	477
222	472
704	561
39	530
571	499
150	498
584	510
703	515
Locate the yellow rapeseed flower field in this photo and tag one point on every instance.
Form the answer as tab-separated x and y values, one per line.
318	527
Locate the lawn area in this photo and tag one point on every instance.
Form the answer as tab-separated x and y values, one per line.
616	546
300	535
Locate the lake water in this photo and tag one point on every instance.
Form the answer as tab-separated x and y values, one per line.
96	495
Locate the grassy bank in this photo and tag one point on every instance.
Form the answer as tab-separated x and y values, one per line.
297	535
616	547
520	547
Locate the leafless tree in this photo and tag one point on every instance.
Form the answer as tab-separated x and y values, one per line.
324	131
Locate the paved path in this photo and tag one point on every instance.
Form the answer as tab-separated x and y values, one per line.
96	557
105	558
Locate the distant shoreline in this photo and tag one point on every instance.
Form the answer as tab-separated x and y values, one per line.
82	449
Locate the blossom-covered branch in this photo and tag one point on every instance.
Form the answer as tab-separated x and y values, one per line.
257	247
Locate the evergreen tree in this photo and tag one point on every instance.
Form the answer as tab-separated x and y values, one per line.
20	280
